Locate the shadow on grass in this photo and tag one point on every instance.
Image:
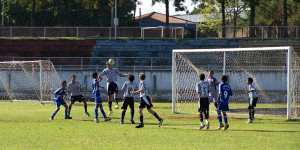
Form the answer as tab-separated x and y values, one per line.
264	131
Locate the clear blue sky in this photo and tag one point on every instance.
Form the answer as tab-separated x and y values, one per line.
147	7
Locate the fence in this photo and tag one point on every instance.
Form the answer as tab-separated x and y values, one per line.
259	32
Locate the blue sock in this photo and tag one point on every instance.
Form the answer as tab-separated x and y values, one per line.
53	114
103	113
66	113
220	118
225	119
96	112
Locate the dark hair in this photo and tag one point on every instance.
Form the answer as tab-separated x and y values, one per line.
73	75
224	78
95	74
63	82
250	80
212	72
202	76
142	76
131	78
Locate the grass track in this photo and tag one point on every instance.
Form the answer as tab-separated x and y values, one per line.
25	125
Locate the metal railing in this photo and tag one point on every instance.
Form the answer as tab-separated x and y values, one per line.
260	32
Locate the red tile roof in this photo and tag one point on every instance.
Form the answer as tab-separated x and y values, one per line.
155	17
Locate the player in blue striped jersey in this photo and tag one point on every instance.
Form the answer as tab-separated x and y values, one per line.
223	101
96	95
58	97
145	101
128	87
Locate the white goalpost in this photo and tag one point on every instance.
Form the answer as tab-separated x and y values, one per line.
28	80
275	71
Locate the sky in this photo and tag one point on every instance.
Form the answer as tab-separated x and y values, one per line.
147	7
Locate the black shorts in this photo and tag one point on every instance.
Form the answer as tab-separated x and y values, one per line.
79	98
252	103
203	104
128	101
145	102
112	87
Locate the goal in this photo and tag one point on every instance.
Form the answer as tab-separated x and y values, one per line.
28	80
275	71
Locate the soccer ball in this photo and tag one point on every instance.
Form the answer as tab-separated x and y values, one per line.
111	61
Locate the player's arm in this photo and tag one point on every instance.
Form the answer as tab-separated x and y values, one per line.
80	89
98	80
151	96
123	87
138	91
124	75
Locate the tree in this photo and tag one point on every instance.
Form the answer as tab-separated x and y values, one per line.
285	17
235	9
252	4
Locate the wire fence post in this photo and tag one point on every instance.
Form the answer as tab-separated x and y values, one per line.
10	32
81	63
175	33
109	34
296	32
262	32
45	34
196	32
77	32
229	32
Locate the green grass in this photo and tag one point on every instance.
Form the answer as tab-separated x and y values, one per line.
26	125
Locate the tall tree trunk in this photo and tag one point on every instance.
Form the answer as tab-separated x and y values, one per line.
252	19
66	13
112	16
167	18
0	9
101	11
134	11
285	23
33	13
3	6
223	18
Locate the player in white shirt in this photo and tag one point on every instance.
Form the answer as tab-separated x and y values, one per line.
253	97
203	89
112	87
213	94
74	88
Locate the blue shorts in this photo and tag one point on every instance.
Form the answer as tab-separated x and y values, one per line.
59	102
222	107
97	100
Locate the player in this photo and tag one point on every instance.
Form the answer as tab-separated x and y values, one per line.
128	87
253	97
112	87
222	102
145	92
75	88
213	94
59	100
203	88
96	96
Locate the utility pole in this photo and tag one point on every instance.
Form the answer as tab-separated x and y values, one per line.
140	17
116	21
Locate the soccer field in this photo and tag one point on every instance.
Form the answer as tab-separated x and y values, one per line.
26	125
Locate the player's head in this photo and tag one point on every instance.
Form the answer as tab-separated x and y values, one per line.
64	83
95	75
73	78
108	65
131	78
202	77
142	76
249	80
211	73
224	78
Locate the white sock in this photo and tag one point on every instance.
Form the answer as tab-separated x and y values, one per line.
207	122
202	123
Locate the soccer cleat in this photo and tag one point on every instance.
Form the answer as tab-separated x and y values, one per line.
141	125
96	120
249	121
226	127
201	127
110	112
207	126
220	127
107	119
253	119
68	117
51	118
116	106
87	114
132	121
121	122
160	122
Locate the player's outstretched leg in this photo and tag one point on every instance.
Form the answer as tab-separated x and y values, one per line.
132	113
122	116
116	100
226	121
141	125
110	104
70	107
85	108
66	112
103	113
54	113
156	116
96	114
201	120
253	111
220	120
206	118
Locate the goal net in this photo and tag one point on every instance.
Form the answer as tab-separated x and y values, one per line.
28	80
275	72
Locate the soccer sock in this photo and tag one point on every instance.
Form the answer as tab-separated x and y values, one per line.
117	100
250	113
132	113
156	116
85	108
220	118
96	112
109	104
253	114
201	118
123	115
225	119
54	113
206	121
141	119
103	113
66	113
69	112
207	113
